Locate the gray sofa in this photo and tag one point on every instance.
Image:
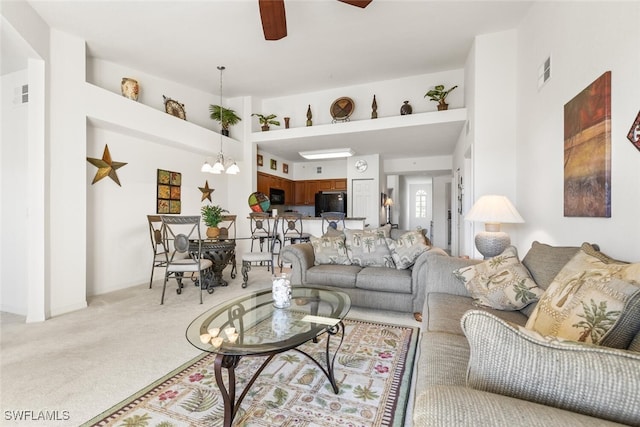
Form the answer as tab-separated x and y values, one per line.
372	287
475	367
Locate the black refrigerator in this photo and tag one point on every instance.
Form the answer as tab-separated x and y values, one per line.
331	201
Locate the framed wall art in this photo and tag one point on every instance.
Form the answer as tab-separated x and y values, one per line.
168	192
260	160
634	132
285	168
274	164
587	151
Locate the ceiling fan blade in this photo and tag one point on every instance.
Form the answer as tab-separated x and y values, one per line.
274	20
359	3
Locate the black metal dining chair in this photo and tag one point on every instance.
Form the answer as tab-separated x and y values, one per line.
157	244
177	233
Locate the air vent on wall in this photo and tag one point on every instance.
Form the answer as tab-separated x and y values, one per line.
544	72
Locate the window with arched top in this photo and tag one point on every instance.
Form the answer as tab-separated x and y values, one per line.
421	204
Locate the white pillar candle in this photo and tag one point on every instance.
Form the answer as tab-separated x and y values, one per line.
205	338
214	332
233	337
229	331
216	342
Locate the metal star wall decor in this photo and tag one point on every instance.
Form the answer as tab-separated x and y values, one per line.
106	167
206	191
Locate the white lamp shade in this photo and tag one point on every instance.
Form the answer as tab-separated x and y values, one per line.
494	209
206	167
217	168
233	169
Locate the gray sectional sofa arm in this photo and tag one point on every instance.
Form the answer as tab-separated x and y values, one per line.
438	274
531	368
301	258
420	275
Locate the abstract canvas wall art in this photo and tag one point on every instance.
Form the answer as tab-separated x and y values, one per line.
587	151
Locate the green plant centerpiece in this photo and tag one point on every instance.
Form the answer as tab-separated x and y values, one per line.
212	216
439	95
225	116
265	121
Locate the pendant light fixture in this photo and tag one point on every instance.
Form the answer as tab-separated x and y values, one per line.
219	165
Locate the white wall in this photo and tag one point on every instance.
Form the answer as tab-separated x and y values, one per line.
14	254
119	252
390	95
330	169
440	208
108	75
494	118
585	39
67	158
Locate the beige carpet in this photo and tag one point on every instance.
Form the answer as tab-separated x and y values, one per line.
78	365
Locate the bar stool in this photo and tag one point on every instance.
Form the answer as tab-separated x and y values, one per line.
332	220
292	231
261	229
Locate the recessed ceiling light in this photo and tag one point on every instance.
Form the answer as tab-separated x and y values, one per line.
327	154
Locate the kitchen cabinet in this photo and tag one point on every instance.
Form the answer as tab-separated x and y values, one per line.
267	181
299	192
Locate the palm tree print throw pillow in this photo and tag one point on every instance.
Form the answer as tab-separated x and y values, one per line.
591	300
501	282
406	249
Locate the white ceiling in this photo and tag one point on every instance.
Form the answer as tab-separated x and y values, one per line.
329	44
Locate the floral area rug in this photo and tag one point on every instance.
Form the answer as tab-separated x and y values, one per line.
373	370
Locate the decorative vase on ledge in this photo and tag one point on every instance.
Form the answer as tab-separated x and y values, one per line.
406	109
129	88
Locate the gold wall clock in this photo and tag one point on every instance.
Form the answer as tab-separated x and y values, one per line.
341	109
174	108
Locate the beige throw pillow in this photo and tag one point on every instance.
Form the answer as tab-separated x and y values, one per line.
593	299
501	282
407	248
330	250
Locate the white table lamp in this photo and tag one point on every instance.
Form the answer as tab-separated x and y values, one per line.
493	211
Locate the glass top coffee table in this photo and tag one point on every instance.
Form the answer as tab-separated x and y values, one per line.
251	326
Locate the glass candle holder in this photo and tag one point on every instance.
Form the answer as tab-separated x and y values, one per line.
281	290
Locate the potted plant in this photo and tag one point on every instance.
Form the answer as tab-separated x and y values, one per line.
265	121
225	116
438	94
212	216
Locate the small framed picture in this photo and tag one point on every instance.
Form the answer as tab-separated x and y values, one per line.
274	164
260	160
285	168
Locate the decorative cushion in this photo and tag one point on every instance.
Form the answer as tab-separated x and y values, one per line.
501	282
593	299
368	248
329	250
407	248
544	262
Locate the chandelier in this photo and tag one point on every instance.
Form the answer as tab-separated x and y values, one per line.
219	166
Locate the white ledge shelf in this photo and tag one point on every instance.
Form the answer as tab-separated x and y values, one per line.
109	111
455	116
